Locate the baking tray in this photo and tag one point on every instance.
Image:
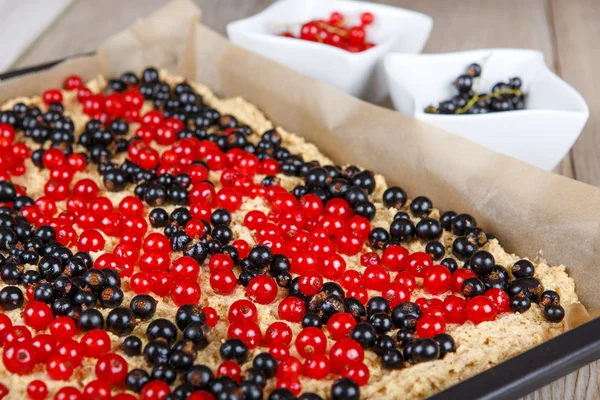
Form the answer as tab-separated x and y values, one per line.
510	379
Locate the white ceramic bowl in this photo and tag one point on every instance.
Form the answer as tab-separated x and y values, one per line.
541	134
359	74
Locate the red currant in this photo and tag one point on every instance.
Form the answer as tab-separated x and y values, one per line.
278	333
317	366
19	358
459	277
59	368
500	299
155	390
311	341
481	309
242	311
37	390
262	289
95	343
111	368
230	369
37	315
248	332
437	279
428	326
345	352
358	372
455	309
185	291
223	281
291	309
339	325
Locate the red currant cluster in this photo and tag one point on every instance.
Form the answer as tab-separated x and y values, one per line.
335	32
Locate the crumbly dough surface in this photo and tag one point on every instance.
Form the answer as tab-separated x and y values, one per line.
478	347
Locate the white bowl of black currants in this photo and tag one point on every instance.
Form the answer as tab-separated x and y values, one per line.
505	99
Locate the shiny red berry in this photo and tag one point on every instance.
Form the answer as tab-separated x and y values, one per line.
481	309
262	289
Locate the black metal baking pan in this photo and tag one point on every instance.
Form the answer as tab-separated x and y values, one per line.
513	378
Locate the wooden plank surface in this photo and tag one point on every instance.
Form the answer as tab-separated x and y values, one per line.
565	31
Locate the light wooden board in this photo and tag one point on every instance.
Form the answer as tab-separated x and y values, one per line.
566	32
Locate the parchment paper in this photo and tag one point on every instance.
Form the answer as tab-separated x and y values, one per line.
527	208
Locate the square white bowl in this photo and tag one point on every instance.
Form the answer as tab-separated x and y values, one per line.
359	74
541	134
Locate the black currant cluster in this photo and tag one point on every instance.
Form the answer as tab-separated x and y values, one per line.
403	230
504	96
164	189
42	127
373	334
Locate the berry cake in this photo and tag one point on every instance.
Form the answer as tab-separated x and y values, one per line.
158	242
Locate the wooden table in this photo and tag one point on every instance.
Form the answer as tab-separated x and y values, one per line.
566	31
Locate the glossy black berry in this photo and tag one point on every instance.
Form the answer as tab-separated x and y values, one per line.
164	372
132	346
260	256
519	304
549	297
11	298
383	343
188	314
381	322
8	192
345	389
530	287
8	238
421	206
94	279
523	269
395	197
364	334
462	248
402	229
482	263
162	328
365	180
234	349
143	306
446	219
377	237
423	350
111	297
199	376
120	321
355	308
50	268
472	287
554	313
196	332
155	195
91	318
462	223
404	337
446	344
436	250
157	352
377	304
311	320
136	380
405	315
392	359
428	229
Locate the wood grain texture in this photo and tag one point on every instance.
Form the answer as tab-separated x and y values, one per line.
577	30
565	31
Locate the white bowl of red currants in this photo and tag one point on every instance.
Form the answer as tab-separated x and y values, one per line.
339	42
505	99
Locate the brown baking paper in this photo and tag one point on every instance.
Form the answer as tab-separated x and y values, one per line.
529	209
